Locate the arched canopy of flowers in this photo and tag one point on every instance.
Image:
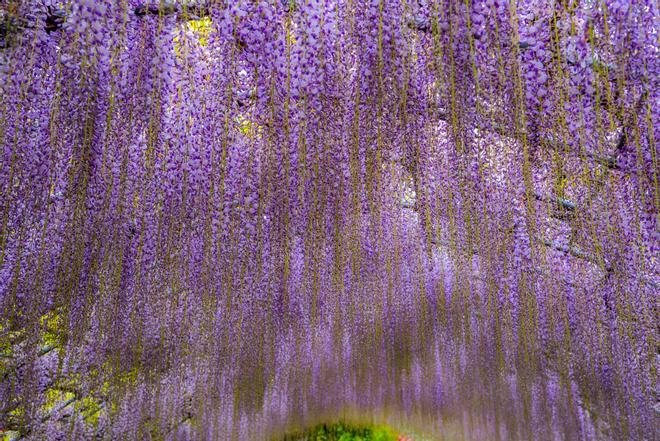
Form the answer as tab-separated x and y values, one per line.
234	219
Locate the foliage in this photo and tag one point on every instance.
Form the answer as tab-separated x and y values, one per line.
343	432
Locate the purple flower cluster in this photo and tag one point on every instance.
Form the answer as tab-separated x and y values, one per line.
235	219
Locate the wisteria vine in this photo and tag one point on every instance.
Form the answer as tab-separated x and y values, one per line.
234	220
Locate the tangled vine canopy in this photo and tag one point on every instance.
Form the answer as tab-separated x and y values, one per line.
237	219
